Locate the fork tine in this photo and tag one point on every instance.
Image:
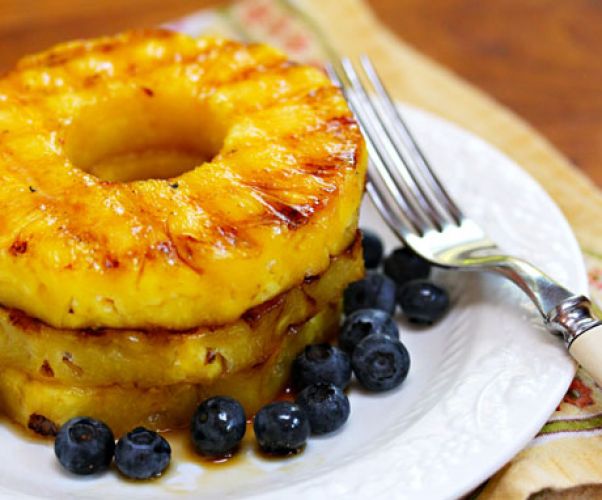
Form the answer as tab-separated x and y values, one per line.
436	210
415	152
402	159
405	214
397	179
397	224
334	77
387	211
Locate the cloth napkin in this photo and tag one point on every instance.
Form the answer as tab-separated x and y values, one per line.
564	457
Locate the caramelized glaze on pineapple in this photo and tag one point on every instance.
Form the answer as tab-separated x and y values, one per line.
156	379
153	180
44	406
158	358
180	220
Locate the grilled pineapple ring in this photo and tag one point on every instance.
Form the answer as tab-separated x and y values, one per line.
44	406
153	180
147	359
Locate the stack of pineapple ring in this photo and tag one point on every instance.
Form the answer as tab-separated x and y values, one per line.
180	220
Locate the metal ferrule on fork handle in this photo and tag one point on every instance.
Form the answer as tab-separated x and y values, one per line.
572	318
582	333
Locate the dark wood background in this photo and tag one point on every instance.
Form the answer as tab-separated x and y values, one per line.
541	58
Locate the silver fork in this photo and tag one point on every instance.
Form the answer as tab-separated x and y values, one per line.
418	209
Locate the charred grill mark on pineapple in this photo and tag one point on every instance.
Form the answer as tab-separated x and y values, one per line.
21	320
91	80
146	33
292	215
313	303
111	262
91	332
41	425
183	248
254	315
323	163
246	73
210	356
46	370
292	330
166	248
131	69
69	51
60	58
229	233
214	356
109	303
107	47
18	247
323	169
345	123
68	360
308	280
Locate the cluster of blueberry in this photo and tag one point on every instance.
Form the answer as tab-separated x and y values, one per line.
86	446
369	347
404	281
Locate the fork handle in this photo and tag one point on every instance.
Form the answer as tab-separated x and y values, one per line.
564	313
582	331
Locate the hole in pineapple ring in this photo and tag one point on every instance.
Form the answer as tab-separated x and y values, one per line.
142	134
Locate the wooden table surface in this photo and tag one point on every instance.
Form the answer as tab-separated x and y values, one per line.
541	58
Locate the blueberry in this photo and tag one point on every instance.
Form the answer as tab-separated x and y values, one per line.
281	428
422	301
372	246
326	406
142	454
403	265
84	445
366	322
380	363
321	363
218	425
375	291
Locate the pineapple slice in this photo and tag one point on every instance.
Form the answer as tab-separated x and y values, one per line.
256	180
147	359
44	405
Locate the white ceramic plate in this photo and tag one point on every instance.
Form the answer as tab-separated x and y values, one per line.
482	382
